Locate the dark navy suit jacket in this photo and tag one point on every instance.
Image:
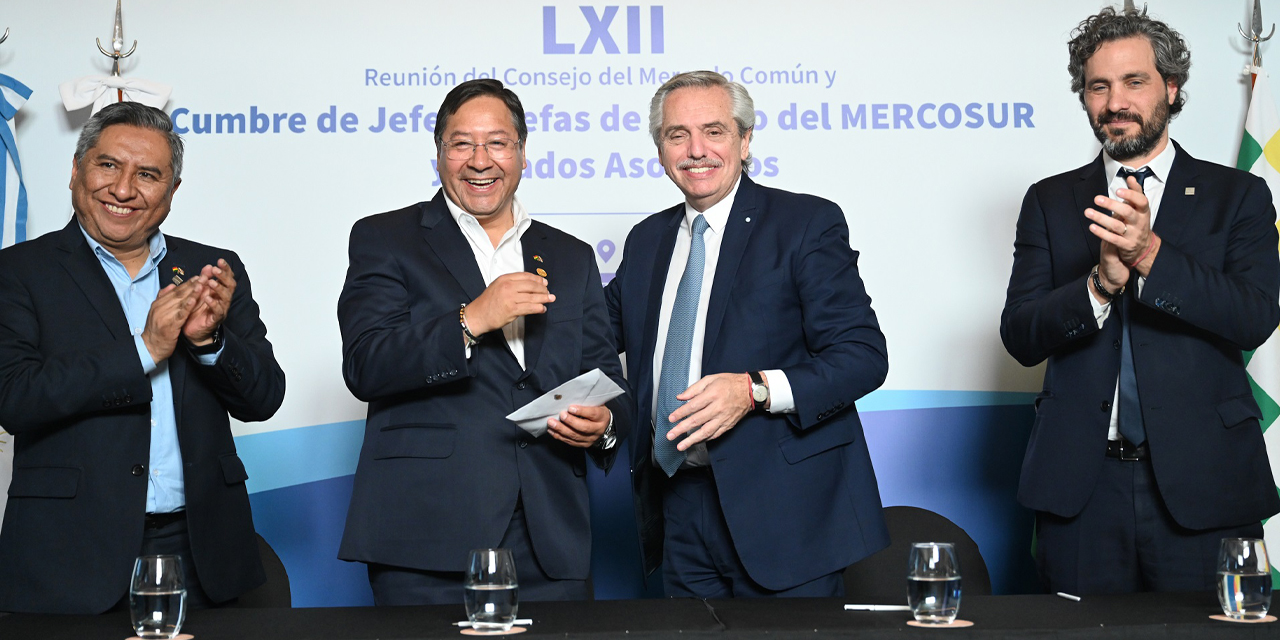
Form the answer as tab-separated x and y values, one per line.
73	393
1212	291
441	467
798	490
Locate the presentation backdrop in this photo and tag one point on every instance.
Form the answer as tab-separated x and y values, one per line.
926	121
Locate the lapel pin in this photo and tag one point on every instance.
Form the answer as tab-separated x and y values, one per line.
748	219
541	272
1191	191
537	258
558	396
177	275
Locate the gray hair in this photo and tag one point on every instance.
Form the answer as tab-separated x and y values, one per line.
134	114
1173	59
744	109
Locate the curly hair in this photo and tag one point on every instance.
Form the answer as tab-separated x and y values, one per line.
1173	59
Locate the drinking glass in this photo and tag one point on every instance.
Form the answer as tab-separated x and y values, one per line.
933	582
157	596
1244	578
491	593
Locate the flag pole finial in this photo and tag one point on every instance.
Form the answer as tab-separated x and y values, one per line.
1255	34
1130	8
117	44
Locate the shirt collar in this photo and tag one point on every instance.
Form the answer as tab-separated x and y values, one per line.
157	249
717	215
519	216
1159	165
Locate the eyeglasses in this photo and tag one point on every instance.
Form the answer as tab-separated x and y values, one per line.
498	149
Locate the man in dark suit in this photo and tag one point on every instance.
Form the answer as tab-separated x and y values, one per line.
1146	449
455	313
749	337
122	352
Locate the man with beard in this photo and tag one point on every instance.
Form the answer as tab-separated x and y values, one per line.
1141	277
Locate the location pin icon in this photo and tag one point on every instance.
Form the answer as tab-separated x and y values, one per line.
605	249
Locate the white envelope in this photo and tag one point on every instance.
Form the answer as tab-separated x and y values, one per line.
590	389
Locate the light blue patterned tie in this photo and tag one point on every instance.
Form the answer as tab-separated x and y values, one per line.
675	356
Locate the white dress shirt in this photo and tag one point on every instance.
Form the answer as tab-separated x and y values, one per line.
507	257
717	216
1153	188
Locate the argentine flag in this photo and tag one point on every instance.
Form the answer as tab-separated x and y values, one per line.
13	194
13	223
1260	155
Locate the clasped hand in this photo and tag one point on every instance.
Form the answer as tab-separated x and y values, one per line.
193	310
1125	234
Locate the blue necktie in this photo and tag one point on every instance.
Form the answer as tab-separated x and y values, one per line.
675	356
1130	414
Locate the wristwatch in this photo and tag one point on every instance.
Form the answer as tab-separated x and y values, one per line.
609	438
759	390
207	349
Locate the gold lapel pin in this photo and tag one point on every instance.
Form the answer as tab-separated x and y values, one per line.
541	272
1191	191
177	275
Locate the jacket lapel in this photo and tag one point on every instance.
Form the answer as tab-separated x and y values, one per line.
445	238
653	310
534	244
1093	183
178	361
1176	206
737	231
85	270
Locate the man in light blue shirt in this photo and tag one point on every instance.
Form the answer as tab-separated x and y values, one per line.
122	353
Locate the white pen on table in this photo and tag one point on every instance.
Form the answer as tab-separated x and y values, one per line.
519	622
876	607
1068	596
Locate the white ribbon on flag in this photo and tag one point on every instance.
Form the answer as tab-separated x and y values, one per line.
100	91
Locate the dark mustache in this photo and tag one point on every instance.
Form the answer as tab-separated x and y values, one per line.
1120	116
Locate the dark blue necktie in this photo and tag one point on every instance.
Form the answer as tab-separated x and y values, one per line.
674	377
1130	414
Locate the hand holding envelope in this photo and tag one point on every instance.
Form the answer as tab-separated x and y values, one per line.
591	389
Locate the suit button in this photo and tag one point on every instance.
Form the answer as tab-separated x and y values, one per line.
524	443
1105	406
1115	344
520	386
128	399
137	470
453	372
106	403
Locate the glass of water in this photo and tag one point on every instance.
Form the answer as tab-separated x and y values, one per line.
157	596
933	582
1244	578
491	593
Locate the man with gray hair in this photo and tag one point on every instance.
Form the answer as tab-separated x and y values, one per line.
1141	277
749	336
122	352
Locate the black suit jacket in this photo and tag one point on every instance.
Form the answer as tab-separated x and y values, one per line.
798	490
441	467
73	394
1212	291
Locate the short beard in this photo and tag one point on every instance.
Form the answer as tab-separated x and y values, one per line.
1138	145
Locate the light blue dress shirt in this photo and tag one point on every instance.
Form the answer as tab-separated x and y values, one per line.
136	294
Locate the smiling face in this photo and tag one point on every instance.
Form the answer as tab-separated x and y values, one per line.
1127	100
122	188
482	185
699	144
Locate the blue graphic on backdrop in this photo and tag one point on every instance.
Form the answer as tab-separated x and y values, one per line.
605	248
599	31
